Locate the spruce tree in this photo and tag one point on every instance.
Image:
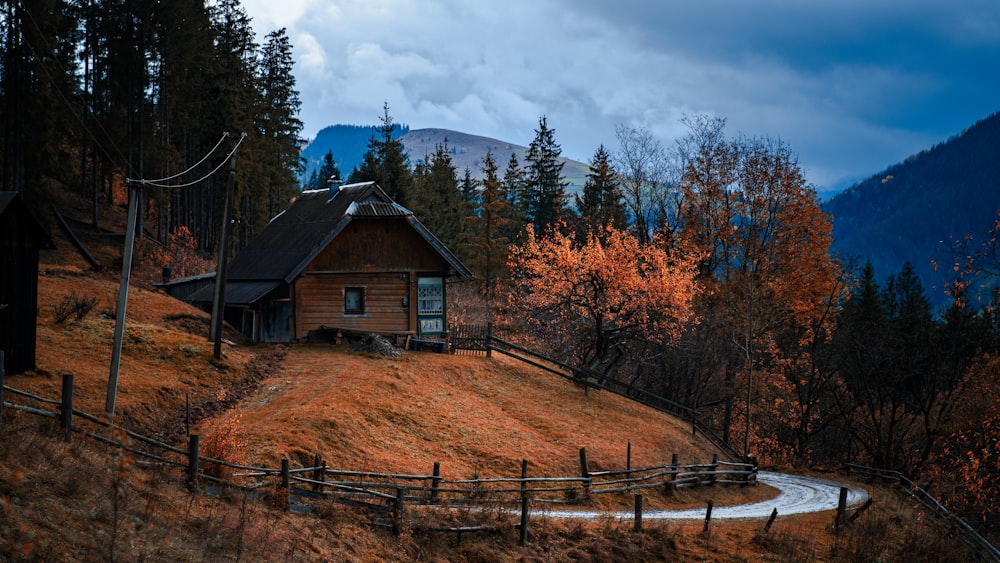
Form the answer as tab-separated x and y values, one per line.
386	162
438	202
513	185
485	240
327	172
544	194
601	204
278	124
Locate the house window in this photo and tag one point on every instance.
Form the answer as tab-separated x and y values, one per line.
354	301
430	296
430	306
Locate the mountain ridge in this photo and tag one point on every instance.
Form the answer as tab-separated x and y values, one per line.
915	209
467	150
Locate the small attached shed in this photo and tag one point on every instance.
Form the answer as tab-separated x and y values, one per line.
21	239
344	258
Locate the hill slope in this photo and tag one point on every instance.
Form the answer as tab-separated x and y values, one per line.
912	210
79	501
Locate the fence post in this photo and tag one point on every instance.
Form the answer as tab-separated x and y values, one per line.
286	483
489	339
435	481
67	405
708	517
397	514
523	531
841	509
319	474
628	467
194	443
638	514
585	472
715	468
770	520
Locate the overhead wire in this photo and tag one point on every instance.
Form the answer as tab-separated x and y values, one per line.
157	184
193	166
62	95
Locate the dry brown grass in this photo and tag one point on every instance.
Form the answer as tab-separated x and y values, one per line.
81	501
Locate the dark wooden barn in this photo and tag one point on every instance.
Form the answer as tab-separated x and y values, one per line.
344	258
21	239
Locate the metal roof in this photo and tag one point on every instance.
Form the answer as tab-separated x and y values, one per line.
294	237
237	292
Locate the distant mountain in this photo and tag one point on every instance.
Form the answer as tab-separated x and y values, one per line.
349	143
914	209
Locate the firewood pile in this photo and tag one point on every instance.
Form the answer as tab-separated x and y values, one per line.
375	344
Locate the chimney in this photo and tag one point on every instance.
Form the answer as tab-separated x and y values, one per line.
335	183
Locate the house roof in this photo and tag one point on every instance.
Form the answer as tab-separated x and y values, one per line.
294	237
14	201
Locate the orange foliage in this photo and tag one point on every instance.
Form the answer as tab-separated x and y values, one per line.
182	255
605	289
967	469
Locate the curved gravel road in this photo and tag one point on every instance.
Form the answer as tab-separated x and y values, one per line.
797	494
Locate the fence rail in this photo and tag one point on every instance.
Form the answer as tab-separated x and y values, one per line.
982	547
486	342
382	493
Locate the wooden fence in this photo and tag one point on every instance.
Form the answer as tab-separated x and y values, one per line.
481	340
471	340
383	496
980	545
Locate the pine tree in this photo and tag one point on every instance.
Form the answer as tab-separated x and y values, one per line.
327	172
544	194
277	122
437	201
601	204
485	240
386	162
513	185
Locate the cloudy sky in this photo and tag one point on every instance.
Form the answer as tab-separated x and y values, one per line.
851	85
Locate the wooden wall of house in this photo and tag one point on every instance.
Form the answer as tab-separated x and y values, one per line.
319	302
379	244
19	249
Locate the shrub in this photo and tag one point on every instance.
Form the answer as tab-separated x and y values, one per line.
74	305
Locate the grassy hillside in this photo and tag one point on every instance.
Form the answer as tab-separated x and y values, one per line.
82	501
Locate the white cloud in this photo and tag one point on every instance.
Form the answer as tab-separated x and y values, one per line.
843	82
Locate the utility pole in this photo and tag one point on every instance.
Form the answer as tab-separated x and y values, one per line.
219	296
116	350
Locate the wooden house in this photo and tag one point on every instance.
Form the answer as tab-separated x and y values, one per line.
21	239
344	258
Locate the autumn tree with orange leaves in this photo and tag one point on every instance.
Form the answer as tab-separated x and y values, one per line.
589	300
747	206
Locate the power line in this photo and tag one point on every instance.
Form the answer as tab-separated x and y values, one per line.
195	165
55	84
156	183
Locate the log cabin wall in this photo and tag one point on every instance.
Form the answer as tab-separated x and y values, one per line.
378	245
320	301
380	256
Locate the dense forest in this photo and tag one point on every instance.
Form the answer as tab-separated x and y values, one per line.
922	208
98	95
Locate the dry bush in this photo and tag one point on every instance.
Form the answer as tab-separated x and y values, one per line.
224	440
890	537
75	306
